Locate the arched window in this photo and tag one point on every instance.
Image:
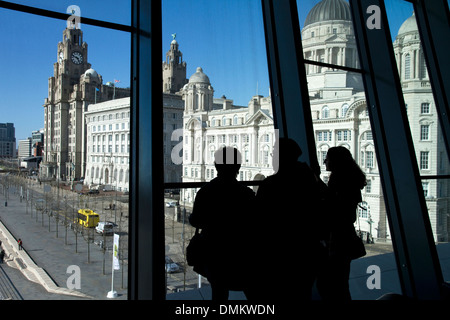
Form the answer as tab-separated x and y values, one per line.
344	110
407	66
422	66
325	112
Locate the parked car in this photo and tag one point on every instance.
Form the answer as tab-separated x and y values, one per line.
93	191
105	227
171	204
172	267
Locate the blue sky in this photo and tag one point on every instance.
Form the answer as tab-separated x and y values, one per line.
224	37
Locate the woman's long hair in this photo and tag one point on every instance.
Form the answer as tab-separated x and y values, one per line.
345	167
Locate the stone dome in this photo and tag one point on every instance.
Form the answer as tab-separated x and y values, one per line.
410	25
329	10
91	73
199	77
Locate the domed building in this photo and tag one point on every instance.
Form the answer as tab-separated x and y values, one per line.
338	105
429	146
198	92
211	123
340	115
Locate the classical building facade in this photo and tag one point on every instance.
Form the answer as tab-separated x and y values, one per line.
429	146
108	130
72	88
108	144
87	131
340	118
210	124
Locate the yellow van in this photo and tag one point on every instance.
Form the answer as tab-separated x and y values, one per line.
88	218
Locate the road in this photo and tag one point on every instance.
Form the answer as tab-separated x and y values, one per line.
53	244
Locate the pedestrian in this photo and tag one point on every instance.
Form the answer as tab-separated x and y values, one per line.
286	228
343	195
20	244
2	255
222	210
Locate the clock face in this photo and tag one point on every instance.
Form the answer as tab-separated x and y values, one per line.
77	57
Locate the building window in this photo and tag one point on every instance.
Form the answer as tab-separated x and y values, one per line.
425	108
363	210
422	66
323	136
343	135
424	160
407	66
425	186
325	112
369	159
344	110
424	132
368	186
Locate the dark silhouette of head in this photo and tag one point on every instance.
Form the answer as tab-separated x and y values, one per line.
286	153
227	161
340	161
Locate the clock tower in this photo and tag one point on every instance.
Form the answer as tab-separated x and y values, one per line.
64	108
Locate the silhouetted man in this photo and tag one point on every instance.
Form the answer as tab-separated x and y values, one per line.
222	209
287	228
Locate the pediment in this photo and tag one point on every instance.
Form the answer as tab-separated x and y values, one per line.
336	39
260	117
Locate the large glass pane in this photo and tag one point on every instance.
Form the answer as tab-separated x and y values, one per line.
65	188
216	93
327	34
431	153
340	118
115	11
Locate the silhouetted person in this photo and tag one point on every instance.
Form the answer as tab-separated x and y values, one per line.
343	195
288	244
222	212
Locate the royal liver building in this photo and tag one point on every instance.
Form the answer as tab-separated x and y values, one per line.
339	113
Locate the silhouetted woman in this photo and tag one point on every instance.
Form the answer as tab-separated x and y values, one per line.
343	195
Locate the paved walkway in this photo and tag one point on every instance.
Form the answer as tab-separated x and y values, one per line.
44	262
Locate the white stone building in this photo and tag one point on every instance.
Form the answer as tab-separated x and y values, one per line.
340	118
108	144
209	124
429	146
